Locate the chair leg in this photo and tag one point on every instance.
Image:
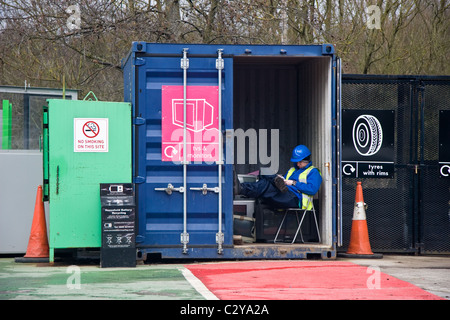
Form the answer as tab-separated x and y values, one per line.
298	222
299	229
279	228
317	225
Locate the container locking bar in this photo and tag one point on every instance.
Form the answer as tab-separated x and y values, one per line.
219	235
170	188
184	235
205	189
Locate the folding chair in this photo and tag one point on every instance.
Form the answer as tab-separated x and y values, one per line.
299	228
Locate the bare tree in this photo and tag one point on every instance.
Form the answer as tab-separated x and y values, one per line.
44	43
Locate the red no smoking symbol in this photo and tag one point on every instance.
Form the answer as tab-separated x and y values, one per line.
91	129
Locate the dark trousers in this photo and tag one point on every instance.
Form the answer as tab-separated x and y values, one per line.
266	190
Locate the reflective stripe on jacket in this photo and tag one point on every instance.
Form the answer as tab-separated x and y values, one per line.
310	182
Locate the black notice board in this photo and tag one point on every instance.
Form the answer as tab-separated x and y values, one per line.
118	227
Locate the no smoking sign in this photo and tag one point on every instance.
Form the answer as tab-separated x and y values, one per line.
90	135
91	129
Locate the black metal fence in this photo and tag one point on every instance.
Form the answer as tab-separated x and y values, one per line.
409	211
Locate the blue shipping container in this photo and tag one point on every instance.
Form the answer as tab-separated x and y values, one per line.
271	98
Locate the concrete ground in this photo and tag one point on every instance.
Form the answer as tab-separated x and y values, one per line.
431	273
169	281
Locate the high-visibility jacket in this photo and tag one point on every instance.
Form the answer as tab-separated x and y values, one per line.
308	183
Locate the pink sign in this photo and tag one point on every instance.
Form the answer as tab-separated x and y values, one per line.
202	123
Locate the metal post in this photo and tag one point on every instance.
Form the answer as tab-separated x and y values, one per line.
184	235
420	176
26	121
219	235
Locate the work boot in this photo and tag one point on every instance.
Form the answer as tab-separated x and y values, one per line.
280	184
236	184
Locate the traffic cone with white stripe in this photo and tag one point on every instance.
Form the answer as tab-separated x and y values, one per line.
359	246
38	249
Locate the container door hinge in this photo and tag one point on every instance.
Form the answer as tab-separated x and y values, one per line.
139	61
138	121
138	179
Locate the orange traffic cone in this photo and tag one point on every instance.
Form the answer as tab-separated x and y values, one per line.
359	246
38	242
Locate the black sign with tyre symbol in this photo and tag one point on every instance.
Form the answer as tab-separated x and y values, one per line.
368	143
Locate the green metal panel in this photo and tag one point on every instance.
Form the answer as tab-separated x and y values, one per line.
6	134
75	174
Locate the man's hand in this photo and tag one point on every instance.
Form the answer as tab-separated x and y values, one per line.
289	182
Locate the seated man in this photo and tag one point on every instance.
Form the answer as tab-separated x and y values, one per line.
294	190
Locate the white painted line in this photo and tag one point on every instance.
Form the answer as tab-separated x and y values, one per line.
198	285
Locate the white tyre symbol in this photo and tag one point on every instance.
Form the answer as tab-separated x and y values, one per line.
367	135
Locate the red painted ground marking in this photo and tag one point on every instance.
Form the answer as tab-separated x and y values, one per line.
303	280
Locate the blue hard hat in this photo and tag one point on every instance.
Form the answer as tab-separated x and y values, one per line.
299	153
